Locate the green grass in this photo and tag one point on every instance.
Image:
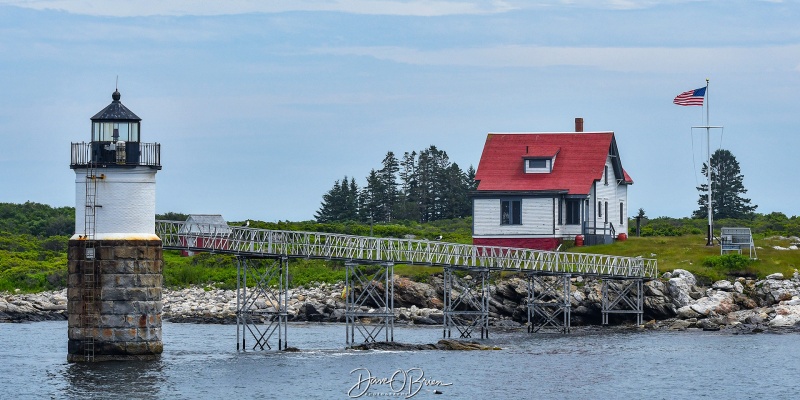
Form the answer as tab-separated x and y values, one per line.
307	272
219	271
203	269
417	273
690	251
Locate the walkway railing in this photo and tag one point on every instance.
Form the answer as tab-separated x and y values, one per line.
330	246
133	153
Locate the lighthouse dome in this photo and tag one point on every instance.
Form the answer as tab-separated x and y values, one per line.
116	111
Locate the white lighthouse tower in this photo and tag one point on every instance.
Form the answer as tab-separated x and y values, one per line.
125	176
115	260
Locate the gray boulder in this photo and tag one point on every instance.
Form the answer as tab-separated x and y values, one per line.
772	291
338	315
680	325
785	316
680	286
719	303
749	317
723	285
408	293
708	324
687	312
514	289
420	320
657	304
311	312
507	323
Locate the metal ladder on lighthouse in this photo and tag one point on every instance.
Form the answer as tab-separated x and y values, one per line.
90	317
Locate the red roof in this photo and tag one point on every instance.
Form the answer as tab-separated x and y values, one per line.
541	151
579	161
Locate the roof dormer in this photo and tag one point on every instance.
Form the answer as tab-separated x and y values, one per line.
539	160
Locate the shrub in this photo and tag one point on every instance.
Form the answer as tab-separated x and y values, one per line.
729	264
304	272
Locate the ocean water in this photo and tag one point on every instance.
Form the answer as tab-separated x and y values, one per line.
201	362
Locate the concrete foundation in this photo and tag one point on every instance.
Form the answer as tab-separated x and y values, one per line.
114	300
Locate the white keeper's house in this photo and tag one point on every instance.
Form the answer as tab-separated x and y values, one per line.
536	190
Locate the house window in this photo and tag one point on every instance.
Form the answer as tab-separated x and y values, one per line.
621	208
511	212
573	212
606	212
605	174
538	165
599	209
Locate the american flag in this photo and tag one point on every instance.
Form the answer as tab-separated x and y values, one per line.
691	98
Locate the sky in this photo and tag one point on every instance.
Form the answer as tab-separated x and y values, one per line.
260	106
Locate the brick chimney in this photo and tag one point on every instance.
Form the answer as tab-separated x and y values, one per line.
578	124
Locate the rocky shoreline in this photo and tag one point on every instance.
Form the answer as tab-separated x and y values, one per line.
674	302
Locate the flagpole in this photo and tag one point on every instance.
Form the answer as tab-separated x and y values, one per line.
693	98
708	155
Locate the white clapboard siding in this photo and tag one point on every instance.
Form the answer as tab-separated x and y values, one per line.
613	193
606	192
622	197
537	218
570	230
486	216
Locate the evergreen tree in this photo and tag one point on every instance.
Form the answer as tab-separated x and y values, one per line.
727	188
407	208
426	190
408	171
352	213
387	196
456	202
368	200
340	203
328	210
471	183
442	189
429	188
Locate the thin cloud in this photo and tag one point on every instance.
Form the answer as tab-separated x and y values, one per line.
656	59
420	8
601	4
125	8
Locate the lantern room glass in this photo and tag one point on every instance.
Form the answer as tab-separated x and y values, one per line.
107	131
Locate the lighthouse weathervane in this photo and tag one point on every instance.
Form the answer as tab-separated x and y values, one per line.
115	260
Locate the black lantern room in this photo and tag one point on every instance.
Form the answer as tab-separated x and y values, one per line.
115	134
116	141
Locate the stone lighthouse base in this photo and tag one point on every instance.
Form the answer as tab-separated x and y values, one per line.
114	300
